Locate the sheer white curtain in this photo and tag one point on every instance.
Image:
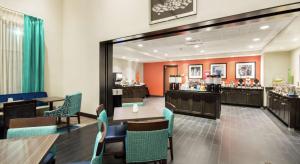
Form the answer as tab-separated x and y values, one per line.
11	40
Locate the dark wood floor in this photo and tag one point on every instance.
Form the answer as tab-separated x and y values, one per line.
241	136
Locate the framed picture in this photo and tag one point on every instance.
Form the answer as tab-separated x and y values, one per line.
195	71
245	70
219	69
165	10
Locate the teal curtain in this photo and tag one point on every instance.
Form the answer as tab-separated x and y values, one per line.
33	55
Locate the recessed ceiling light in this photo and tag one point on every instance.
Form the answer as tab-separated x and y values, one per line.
155	51
208	29
137	60
188	38
140	45
256	39
296	39
123	57
251	47
264	27
202	51
196	46
166	54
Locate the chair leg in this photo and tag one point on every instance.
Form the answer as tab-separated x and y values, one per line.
59	120
164	161
78	117
68	123
171	147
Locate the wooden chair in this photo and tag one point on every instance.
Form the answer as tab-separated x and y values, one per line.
31	122
19	109
147	141
115	133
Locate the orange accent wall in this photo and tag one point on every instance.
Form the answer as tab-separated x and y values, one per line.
153	72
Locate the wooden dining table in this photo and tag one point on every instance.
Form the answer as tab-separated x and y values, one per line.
30	150
50	100
124	114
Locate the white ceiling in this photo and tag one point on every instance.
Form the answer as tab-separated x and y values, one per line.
232	40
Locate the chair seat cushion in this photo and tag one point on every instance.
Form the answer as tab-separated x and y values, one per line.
115	133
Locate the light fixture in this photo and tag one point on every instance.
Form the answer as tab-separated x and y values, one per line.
188	38
155	51
166	54
264	27
196	46
251	47
208	29
202	51
137	60
123	57
295	39
256	39
140	45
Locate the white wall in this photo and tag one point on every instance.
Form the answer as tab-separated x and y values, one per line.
128	68
276	65
85	23
51	12
295	65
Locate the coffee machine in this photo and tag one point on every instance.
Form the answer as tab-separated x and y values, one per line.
175	81
213	83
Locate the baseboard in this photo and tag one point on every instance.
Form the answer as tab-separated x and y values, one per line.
88	115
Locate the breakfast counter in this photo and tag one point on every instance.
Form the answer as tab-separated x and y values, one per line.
193	102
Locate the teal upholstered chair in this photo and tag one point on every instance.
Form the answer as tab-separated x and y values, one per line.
169	115
70	108
21	130
147	141
97	157
115	133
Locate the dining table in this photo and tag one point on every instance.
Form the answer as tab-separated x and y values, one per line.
50	100
29	150
124	114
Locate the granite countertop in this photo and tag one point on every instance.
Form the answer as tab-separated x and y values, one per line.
285	95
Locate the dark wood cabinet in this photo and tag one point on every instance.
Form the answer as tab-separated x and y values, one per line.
203	104
286	109
242	96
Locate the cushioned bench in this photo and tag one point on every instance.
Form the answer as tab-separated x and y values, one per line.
24	96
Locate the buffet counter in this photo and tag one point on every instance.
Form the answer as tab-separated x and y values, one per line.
252	96
285	108
197	103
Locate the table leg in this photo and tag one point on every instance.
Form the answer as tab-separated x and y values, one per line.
50	106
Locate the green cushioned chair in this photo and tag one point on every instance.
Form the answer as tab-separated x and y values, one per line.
70	108
169	115
147	141
131	104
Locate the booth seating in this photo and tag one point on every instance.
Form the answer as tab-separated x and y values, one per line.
41	107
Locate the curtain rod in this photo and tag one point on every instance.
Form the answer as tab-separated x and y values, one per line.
17	12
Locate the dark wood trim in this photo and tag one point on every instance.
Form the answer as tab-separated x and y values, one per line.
31	122
106	77
252	15
88	115
106	51
150	125
164	80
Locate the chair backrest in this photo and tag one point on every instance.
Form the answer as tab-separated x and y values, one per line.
147	141
169	115
170	106
19	109
31	122
72	104
31	131
99	147
102	118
